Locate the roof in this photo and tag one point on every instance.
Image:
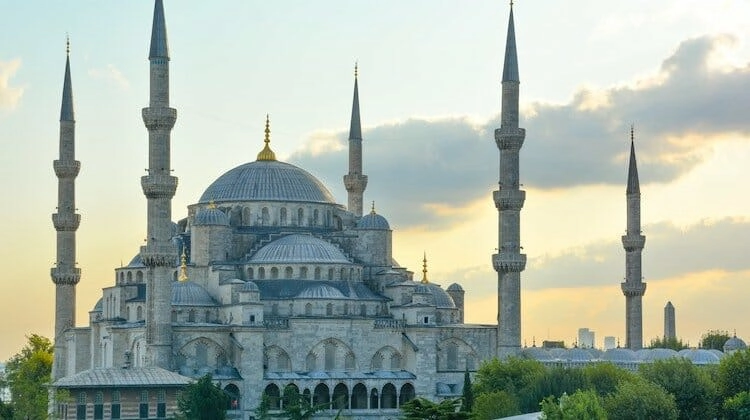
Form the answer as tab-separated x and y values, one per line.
633	184
122	378
314	289
188	293
373	221
66	109
267	180
295	249
510	66
210	216
159	47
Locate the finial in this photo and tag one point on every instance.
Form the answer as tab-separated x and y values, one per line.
267	153
183	266
67	45
424	269
632	132
356	69
511	4
211	204
372	211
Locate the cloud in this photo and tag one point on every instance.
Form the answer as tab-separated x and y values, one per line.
449	162
112	74
9	96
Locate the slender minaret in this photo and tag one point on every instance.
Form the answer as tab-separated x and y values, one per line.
354	181
509	262
65	274
670	333
159	186
633	288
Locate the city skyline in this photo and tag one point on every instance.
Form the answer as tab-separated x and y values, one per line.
430	96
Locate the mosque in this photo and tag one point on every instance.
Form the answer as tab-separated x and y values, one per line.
268	282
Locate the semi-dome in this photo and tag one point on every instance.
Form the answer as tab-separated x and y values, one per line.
455	287
321	291
250	287
210	216
373	221
267	180
99	307
187	293
441	298
296	249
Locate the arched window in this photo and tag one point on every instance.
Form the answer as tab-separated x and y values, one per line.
377	361
139	276
274	272
233	392
261	273
349	362
340	397
315	217
249	273
330	274
115	406
274	396
191	315
300	217
374	399
308	309
143	406
343	274
303	272
208	316
283	364
452	357
282	216
275	309
388	397
346	309
264	216
288	272
329	309
395	361
359	397
161	404
122	277
316	276
321	395
363	310
407	394
81	406
130	277
311	362
330	356
127	313
98	405
246	216
174	316
139	313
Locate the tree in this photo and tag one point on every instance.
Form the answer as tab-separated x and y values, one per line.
640	399
6	410
203	400
714	339
298	407
27	374
514	376
737	407
605	377
667	343
581	405
467	401
693	391
423	409
494	405
555	382
733	375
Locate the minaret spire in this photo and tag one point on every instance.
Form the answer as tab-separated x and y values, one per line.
633	241
65	274
509	199
355	182
159	186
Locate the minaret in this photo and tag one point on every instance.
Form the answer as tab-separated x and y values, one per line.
65	274
354	181
159	186
509	199
670	332
633	288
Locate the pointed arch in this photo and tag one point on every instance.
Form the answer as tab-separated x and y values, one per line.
359	397
278	359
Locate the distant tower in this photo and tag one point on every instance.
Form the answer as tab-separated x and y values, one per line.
355	182
159	186
633	288
509	262
65	274
670	333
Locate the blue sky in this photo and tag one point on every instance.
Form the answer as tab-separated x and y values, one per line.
429	90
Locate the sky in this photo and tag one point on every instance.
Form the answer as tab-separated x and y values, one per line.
429	80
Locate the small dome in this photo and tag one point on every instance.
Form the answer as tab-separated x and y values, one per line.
373	221
250	287
422	289
296	249
187	293
650	355
441	298
537	353
136	262
699	356
99	307
455	287
267	180
619	355
321	291
210	216
734	344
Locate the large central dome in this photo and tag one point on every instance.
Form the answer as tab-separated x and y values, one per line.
267	180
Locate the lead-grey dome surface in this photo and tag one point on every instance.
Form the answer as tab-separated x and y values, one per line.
296	249
211	216
267	181
373	221
441	297
187	293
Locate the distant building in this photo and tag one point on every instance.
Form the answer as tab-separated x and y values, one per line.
609	342
586	338
670	332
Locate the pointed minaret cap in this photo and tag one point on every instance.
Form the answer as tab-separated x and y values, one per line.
633	184
159	47
66	109
355	129
510	67
267	153
424	269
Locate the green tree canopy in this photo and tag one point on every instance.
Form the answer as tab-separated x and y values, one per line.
714	339
673	343
203	400
605	377
494	405
737	407
640	399
297	407
27	374
517	377
581	405
423	409
467	401
733	375
694	392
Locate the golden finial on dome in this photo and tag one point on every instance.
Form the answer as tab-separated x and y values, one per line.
267	153
211	204
424	269
372	211
183	266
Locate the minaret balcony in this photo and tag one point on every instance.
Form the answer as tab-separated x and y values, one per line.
633	289
509	262
65	275
633	242
66	222
66	168
510	138
509	199
159	255
159	186
161	118
355	182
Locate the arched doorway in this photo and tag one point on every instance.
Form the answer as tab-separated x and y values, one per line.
274	397
233	392
388	397
407	394
322	395
340	397
359	397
